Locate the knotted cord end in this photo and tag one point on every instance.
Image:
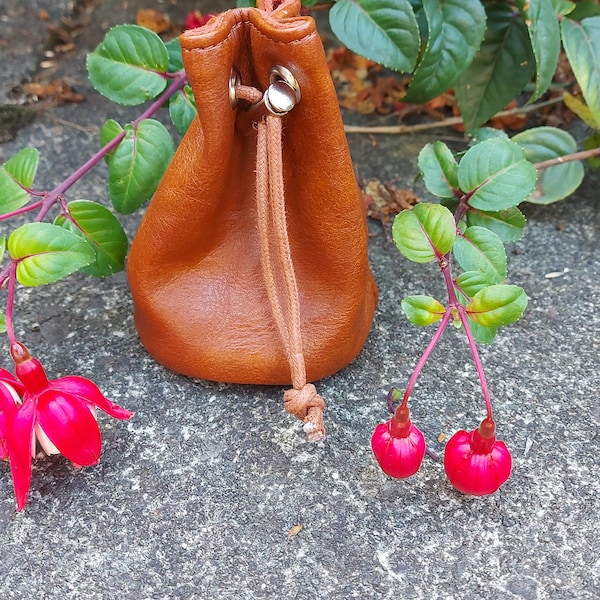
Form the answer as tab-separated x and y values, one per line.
308	406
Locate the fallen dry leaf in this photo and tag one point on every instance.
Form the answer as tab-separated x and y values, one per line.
385	201
153	20
295	530
58	91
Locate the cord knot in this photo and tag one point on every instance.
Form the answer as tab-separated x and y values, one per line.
306	404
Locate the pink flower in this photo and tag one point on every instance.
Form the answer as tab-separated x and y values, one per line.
475	462
196	19
59	414
398	445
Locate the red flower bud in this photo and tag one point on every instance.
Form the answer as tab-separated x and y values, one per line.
475	462
398	445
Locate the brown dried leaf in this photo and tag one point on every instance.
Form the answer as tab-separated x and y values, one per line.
153	20
385	201
58	91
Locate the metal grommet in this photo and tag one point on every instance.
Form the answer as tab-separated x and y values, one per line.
280	73
279	98
235	79
283	93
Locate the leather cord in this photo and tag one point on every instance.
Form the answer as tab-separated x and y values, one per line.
276	259
277	266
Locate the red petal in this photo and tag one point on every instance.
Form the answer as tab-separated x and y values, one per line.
88	391
19	439
70	426
8	408
9	378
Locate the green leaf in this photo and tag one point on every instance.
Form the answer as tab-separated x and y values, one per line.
108	132
544	34
2	322
175	59
47	253
544	143
422	310
471	282
480	249
103	232
581	109
424	232
584	9
497	305
137	165
456	29
507	224
581	42
501	69
385	31
481	134
562	7
2	247
497	174
126	67
439	169
16	178
589	144
481	334
182	109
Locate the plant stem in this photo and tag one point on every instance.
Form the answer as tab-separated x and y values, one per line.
50	198
20	211
10	302
400	129
177	83
432	344
560	160
478	365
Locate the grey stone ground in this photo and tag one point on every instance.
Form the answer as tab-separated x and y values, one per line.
194	497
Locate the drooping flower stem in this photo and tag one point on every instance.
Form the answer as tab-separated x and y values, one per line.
10	301
432	344
478	365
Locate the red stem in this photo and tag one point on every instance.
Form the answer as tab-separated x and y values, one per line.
10	302
478	365
434	340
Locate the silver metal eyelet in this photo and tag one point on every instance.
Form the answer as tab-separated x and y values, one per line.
235	79
283	93
280	73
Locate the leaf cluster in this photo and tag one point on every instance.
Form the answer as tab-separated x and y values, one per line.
131	66
478	213
488	52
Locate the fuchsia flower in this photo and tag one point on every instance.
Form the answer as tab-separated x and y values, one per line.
196	19
475	462
59	414
398	445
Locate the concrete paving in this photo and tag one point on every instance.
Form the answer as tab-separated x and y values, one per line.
196	497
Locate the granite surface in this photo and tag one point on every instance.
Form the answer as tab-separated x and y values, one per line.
201	494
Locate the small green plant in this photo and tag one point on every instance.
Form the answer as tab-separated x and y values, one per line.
489	52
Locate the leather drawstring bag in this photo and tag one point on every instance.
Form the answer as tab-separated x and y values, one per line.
250	264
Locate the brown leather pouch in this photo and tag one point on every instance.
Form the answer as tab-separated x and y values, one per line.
250	265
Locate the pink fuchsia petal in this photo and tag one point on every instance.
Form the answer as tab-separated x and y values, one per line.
20	439
473	472
398	457
9	400
10	379
70	426
88	391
